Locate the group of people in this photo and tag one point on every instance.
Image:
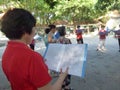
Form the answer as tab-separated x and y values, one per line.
54	35
102	37
24	68
57	35
102	33
79	37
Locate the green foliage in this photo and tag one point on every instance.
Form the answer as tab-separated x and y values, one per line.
73	11
106	5
51	3
115	5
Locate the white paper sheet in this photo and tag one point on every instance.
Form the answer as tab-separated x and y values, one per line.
67	55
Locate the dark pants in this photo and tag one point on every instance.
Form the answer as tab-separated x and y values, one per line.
119	42
66	82
80	41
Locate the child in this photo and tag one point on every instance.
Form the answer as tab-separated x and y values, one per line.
102	37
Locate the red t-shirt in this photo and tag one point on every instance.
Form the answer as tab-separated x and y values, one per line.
24	68
102	34
78	33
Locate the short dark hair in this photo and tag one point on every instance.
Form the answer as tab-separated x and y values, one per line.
16	22
62	31
47	30
51	26
78	26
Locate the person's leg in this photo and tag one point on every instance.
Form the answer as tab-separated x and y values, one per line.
78	41
119	43
81	40
66	83
103	44
99	45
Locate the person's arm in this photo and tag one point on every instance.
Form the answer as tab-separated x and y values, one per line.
75	31
50	39
58	84
70	41
115	34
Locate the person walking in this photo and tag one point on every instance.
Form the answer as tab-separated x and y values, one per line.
24	68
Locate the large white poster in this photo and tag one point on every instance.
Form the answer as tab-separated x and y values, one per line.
67	55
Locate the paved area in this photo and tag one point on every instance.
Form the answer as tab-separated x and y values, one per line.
102	68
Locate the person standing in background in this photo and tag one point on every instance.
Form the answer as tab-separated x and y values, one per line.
51	38
79	37
47	30
102	38
56	34
117	35
63	40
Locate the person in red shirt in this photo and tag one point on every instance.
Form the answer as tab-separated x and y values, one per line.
102	37
79	37
24	68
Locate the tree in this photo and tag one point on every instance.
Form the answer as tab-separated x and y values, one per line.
73	11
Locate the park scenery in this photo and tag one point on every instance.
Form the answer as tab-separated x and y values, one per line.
99	30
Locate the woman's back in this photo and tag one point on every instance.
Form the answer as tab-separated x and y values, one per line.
64	40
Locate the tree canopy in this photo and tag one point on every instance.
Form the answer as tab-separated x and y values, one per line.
70	11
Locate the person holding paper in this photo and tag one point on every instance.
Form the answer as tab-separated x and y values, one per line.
24	68
63	40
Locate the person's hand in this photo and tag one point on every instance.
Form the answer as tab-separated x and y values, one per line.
65	73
